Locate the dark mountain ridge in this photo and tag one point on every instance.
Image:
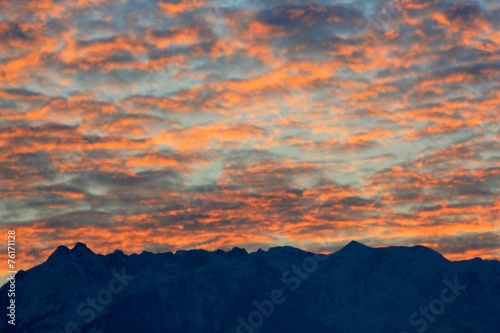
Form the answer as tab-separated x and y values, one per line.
284	289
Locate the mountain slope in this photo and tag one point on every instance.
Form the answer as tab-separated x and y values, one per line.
356	289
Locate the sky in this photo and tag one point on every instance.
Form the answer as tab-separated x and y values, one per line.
158	126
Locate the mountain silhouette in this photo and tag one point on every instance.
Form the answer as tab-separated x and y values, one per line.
284	289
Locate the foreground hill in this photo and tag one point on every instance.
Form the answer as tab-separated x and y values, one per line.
356	289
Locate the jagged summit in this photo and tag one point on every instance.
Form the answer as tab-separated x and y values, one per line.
60	251
79	245
237	252
356	245
79	249
355	248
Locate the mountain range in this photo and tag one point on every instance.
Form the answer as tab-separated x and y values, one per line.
284	289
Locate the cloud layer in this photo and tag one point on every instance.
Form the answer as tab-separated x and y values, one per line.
197	123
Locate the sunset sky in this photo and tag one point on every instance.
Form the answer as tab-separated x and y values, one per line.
159	126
